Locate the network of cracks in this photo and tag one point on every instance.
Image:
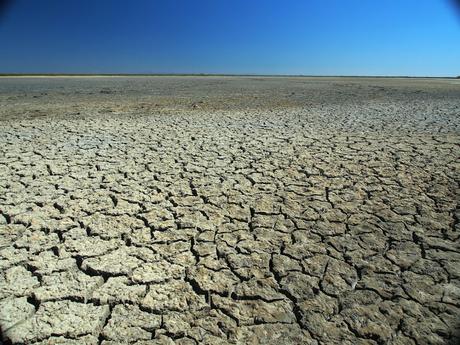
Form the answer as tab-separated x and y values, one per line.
290	227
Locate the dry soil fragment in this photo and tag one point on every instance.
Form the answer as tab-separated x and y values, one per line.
83	340
220	281
67	284
37	241
280	334
174	295
127	323
118	262
17	281
157	272
120	290
64	318
14	311
250	312
79	244
47	262
108	227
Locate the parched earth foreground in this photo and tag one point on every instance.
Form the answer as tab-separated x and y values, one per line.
222	210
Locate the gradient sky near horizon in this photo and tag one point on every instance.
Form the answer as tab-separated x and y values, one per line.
317	37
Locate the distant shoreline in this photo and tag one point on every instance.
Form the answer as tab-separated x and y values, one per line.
64	75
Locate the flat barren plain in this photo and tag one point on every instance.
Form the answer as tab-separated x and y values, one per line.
229	210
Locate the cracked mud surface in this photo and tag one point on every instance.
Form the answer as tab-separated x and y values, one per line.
229	210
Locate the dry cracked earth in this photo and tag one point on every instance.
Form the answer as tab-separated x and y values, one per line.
229	210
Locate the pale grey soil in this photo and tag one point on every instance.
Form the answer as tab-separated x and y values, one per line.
180	210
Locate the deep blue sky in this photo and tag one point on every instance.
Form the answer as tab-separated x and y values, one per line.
320	37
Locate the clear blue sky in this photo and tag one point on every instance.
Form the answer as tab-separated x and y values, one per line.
320	37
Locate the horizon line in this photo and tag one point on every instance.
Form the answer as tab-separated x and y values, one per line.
215	75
